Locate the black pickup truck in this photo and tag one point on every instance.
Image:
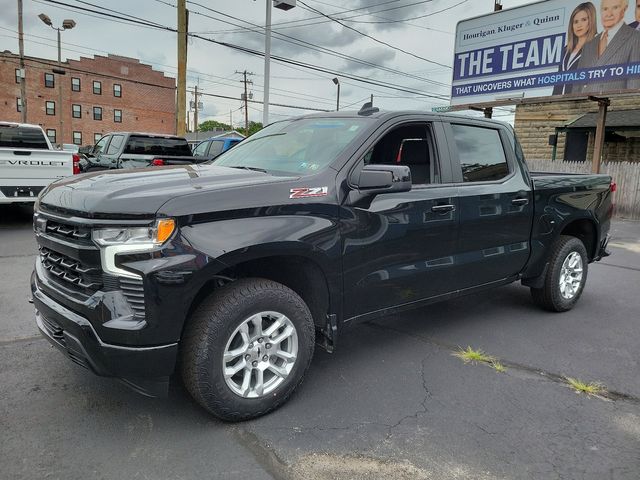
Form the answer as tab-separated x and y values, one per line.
231	273
137	150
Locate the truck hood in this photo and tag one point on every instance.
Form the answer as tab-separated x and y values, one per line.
142	192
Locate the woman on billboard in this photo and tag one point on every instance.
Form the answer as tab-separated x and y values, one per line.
582	28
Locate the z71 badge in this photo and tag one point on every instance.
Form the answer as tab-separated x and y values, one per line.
305	192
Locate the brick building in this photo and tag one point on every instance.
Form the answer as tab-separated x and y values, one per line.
99	95
574	123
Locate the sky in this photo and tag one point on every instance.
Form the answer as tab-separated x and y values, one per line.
402	44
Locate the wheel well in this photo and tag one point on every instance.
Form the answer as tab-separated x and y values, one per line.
586	231
300	274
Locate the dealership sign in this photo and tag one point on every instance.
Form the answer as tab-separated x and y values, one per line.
548	48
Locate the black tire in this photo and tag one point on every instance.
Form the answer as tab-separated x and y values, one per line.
210	328
550	296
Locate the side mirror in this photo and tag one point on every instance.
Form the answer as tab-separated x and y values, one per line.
384	179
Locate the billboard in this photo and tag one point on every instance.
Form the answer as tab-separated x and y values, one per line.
546	49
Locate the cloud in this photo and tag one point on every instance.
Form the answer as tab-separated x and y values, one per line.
379	56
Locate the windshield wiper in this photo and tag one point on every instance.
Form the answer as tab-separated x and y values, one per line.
255	169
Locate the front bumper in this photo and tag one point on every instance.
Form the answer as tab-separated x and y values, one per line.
145	369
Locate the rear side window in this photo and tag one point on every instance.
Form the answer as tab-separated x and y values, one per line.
216	148
22	137
157	146
481	153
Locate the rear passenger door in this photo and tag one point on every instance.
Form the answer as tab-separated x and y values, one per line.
495	202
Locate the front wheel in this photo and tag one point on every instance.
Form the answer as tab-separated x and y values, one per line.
565	277
246	348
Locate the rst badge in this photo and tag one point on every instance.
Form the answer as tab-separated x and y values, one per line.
305	192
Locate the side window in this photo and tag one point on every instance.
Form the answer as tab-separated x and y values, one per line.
201	149
409	145
481	153
116	143
99	147
216	148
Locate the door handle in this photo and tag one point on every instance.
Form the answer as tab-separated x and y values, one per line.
520	201
443	208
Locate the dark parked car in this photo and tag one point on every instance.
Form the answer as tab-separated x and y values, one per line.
136	150
234	271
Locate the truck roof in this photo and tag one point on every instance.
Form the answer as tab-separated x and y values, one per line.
19	125
386	115
146	134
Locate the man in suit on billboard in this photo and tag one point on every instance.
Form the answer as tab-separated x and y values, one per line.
618	43
636	24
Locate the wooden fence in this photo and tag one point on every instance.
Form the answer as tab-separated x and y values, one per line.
625	174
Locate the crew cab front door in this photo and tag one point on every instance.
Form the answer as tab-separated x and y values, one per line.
398	248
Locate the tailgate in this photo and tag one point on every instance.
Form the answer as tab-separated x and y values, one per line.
33	167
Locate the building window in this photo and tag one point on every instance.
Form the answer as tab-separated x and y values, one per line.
97	113
75	84
76	111
96	137
50	108
51	133
18	75
117	116
49	80
77	138
97	87
19	104
117	90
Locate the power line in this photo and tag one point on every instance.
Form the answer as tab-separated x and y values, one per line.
275	58
296	41
298	107
374	38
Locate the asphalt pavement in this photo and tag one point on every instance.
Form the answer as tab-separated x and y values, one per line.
391	403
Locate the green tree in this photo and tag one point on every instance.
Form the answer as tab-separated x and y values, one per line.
254	127
212	125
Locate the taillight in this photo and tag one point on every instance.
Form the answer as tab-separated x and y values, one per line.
157	162
76	164
613	187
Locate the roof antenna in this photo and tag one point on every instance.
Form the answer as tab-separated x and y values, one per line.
368	108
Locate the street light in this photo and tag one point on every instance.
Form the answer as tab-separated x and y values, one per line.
337	82
67	24
282	5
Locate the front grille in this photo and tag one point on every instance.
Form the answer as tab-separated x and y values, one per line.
76	233
133	290
71	272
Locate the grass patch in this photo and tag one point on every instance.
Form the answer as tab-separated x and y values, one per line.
588	388
498	367
473	356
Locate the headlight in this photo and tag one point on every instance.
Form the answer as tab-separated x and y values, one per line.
146	237
113	241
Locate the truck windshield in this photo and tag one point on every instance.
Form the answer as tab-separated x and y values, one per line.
297	147
13	136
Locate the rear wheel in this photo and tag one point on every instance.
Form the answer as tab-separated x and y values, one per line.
565	277
246	348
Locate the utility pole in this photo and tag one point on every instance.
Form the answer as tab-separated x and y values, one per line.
245	98
195	113
181	100
23	79
497	6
